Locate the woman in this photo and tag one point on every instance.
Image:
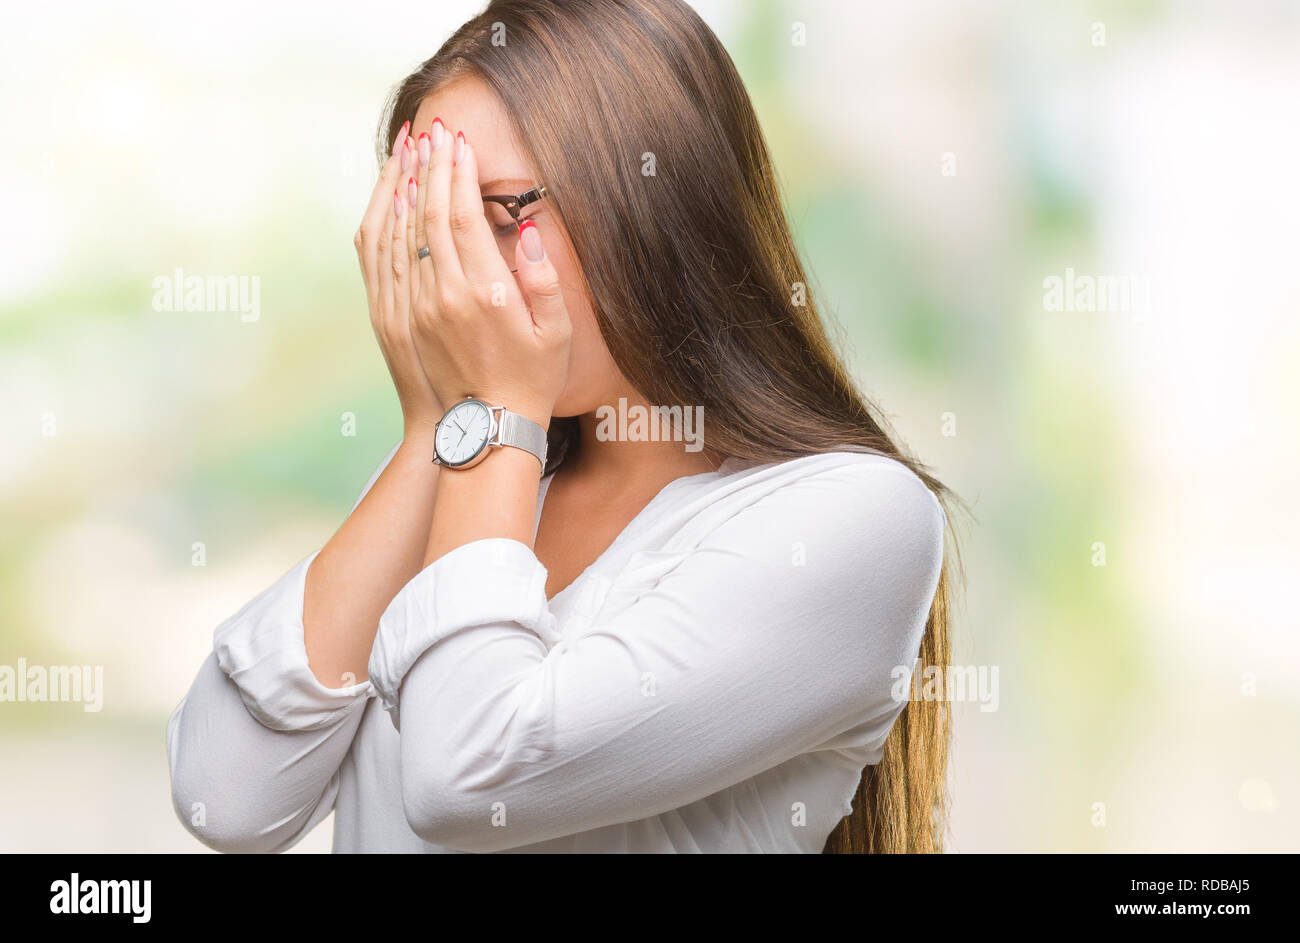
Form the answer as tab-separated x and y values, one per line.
551	637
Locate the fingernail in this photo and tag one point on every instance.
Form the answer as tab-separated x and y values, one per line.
411	188
425	148
401	136
399	205
438	133
406	156
531	240
460	148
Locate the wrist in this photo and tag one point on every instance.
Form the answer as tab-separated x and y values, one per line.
538	414
530	407
419	433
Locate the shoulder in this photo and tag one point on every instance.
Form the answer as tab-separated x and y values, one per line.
846	490
830	521
842	548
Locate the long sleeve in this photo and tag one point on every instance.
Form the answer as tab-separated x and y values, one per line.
255	746
773	635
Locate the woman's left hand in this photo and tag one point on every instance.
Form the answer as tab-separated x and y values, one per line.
479	330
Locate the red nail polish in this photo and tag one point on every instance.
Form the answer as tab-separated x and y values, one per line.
461	135
406	143
406	126
423	135
410	182
534	251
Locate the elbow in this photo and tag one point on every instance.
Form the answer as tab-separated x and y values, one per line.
445	810
216	820
211	824
209	808
225	825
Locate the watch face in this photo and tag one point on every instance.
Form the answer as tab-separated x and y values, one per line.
463	433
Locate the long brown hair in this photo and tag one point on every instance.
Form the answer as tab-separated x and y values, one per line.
636	119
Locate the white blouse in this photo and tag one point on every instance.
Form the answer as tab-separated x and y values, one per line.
714	682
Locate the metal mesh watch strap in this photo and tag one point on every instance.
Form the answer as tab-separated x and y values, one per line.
522	433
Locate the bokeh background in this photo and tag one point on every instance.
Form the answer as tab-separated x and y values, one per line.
941	160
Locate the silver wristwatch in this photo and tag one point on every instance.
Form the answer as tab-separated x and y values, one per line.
464	435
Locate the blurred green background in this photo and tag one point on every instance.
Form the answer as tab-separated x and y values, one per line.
941	160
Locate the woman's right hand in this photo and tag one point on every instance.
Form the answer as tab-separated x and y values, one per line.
385	258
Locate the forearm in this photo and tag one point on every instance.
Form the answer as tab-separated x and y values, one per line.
373	555
496	498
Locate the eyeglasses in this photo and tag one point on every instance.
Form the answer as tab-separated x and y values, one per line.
503	216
